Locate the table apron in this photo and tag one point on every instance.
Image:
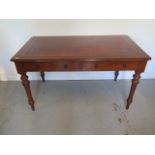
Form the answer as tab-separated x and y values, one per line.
80	66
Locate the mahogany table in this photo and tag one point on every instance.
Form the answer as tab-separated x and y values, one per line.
80	53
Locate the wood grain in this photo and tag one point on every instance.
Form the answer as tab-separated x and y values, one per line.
89	48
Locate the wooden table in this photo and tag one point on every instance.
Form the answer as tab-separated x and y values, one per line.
80	53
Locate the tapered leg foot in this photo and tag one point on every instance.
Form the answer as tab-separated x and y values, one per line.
32	106
42	74
135	82
129	101
116	75
26	85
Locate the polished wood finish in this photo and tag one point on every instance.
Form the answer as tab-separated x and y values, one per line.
135	81
80	53
26	85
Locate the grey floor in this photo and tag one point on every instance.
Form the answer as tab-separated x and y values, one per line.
77	107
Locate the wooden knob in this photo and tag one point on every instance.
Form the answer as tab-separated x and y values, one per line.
124	65
65	66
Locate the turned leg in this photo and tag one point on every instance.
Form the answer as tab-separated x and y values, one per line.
116	75
26	85
42	74
135	82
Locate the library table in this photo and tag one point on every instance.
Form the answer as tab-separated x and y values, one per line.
80	53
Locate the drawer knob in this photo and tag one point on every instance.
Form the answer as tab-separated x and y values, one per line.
65	66
124	65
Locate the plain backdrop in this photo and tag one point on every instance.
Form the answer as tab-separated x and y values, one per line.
14	33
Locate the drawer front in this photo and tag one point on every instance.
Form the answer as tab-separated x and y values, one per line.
80	66
116	66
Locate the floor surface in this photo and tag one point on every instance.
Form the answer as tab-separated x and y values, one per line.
77	107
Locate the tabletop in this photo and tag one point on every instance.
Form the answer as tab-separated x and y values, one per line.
110	48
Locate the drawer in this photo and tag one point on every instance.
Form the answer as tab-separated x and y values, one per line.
66	66
70	66
30	66
108	66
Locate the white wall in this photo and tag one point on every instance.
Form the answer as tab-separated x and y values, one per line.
14	33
